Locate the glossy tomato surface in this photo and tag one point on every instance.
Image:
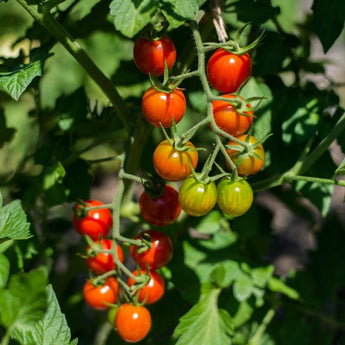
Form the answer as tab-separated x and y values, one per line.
158	255
162	210
153	290
98	296
228	119
132	323
197	198
171	164
234	197
103	262
150	55
96	223
227	71
160	107
250	165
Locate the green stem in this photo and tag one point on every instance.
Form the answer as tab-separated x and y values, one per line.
103	333
6	337
289	178
255	339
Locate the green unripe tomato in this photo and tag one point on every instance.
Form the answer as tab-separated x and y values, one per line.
111	315
197	198
234	197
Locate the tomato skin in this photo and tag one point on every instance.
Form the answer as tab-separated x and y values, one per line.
234	197
160	107
153	290
171	164
149	55
97	296
162	210
103	262
250	165
227	71
228	119
197	198
96	224
132	323
158	255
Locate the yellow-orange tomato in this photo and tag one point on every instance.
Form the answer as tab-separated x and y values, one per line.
250	165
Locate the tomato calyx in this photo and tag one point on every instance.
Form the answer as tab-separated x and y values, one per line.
154	186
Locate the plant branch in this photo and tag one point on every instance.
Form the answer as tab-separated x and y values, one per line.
255	339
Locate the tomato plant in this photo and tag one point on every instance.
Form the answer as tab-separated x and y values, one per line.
159	253
95	223
173	164
103	262
162	210
228	71
153	291
234	198
99	296
197	197
229	119
150	56
249	164
132	322
160	107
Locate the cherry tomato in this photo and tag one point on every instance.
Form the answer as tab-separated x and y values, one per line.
158	255
153	290
227	71
228	119
160	107
150	55
234	197
96	223
250	165
171	164
162	210
103	262
197	198
98	296
132	322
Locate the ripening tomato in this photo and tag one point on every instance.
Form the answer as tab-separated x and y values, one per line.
158	255
103	262
197	198
153	290
96	223
98	296
132	322
228	71
250	165
162	210
151	55
160	107
228	119
234	197
172	164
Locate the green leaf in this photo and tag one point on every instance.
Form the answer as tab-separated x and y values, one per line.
261	275
16	82
277	285
51	330
53	174
13	222
243	287
341	169
256	12
243	314
210	223
205	323
130	16
25	301
4	270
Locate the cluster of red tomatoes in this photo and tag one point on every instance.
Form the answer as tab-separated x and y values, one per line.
132	321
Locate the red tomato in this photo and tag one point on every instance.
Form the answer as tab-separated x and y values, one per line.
171	164
98	296
250	165
227	71
150	55
153	290
158	255
103	262
160	107
234	197
197	198
132	323
162	210
96	223
228	119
